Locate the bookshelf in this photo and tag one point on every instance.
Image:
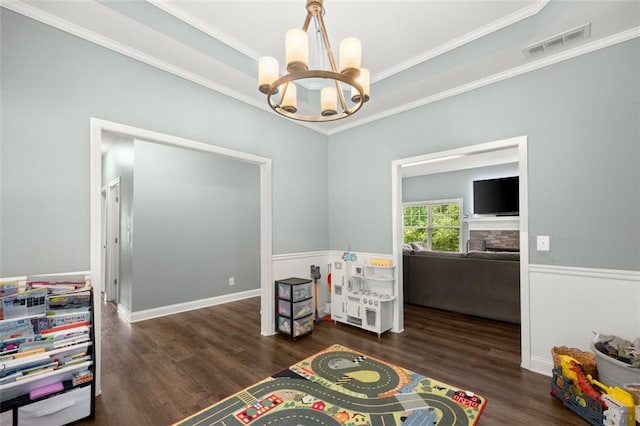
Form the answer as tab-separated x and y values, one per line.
46	351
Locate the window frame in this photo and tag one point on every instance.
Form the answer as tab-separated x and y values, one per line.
429	228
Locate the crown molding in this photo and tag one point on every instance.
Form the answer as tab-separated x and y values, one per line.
518	16
495	78
205	27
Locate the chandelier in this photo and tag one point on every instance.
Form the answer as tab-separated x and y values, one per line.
333	103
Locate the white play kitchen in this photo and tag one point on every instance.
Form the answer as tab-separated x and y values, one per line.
362	294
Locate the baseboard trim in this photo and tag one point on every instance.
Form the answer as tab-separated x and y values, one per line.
189	306
124	312
541	366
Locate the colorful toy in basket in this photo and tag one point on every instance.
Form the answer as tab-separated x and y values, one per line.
573	370
571	386
621	408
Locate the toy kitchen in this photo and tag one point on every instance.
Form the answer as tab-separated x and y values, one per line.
362	294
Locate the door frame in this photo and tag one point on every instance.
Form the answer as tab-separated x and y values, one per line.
519	142
98	128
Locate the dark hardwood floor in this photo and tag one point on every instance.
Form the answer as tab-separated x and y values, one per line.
158	371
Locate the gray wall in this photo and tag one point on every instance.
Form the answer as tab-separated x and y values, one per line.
581	118
119	162
52	83
197	223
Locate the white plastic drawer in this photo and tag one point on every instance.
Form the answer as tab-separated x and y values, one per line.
6	418
284	291
302	291
284	325
304	308
302	326
300	309
284	308
58	410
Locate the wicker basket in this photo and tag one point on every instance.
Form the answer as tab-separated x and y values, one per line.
587	359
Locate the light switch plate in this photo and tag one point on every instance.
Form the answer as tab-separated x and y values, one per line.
543	243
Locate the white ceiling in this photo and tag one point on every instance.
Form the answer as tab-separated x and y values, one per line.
417	51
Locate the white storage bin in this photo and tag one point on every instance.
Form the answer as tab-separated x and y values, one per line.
302	326
284	291
302	309
58	410
284	308
302	291
284	325
6	418
612	372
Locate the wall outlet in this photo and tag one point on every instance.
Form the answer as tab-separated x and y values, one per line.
232	281
543	243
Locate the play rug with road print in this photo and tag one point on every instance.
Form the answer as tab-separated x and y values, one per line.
341	386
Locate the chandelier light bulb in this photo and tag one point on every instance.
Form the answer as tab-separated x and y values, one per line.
363	80
289	98
268	70
297	50
328	101
350	56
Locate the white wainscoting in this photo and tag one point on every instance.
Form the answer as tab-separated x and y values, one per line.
568	303
299	265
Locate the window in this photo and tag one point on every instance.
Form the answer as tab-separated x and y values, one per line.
436	224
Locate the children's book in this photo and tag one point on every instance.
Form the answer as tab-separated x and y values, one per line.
69	302
58	320
28	303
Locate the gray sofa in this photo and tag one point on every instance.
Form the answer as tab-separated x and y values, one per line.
484	284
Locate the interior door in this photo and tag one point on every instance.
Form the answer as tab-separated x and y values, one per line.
112	264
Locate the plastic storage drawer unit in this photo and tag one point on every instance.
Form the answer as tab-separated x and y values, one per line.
294	306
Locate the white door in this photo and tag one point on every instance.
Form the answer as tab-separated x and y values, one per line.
103	233
112	221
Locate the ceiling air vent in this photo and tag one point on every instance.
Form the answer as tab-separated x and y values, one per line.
551	44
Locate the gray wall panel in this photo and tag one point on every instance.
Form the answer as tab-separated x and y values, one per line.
581	119
197	223
52	83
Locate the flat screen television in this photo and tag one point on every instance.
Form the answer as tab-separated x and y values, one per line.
500	196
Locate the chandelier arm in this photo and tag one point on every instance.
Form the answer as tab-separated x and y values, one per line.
307	20
343	102
327	44
332	61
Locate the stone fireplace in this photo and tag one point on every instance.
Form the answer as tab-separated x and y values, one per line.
494	233
494	240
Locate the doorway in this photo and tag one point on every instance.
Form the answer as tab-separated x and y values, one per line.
435	160
99	129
